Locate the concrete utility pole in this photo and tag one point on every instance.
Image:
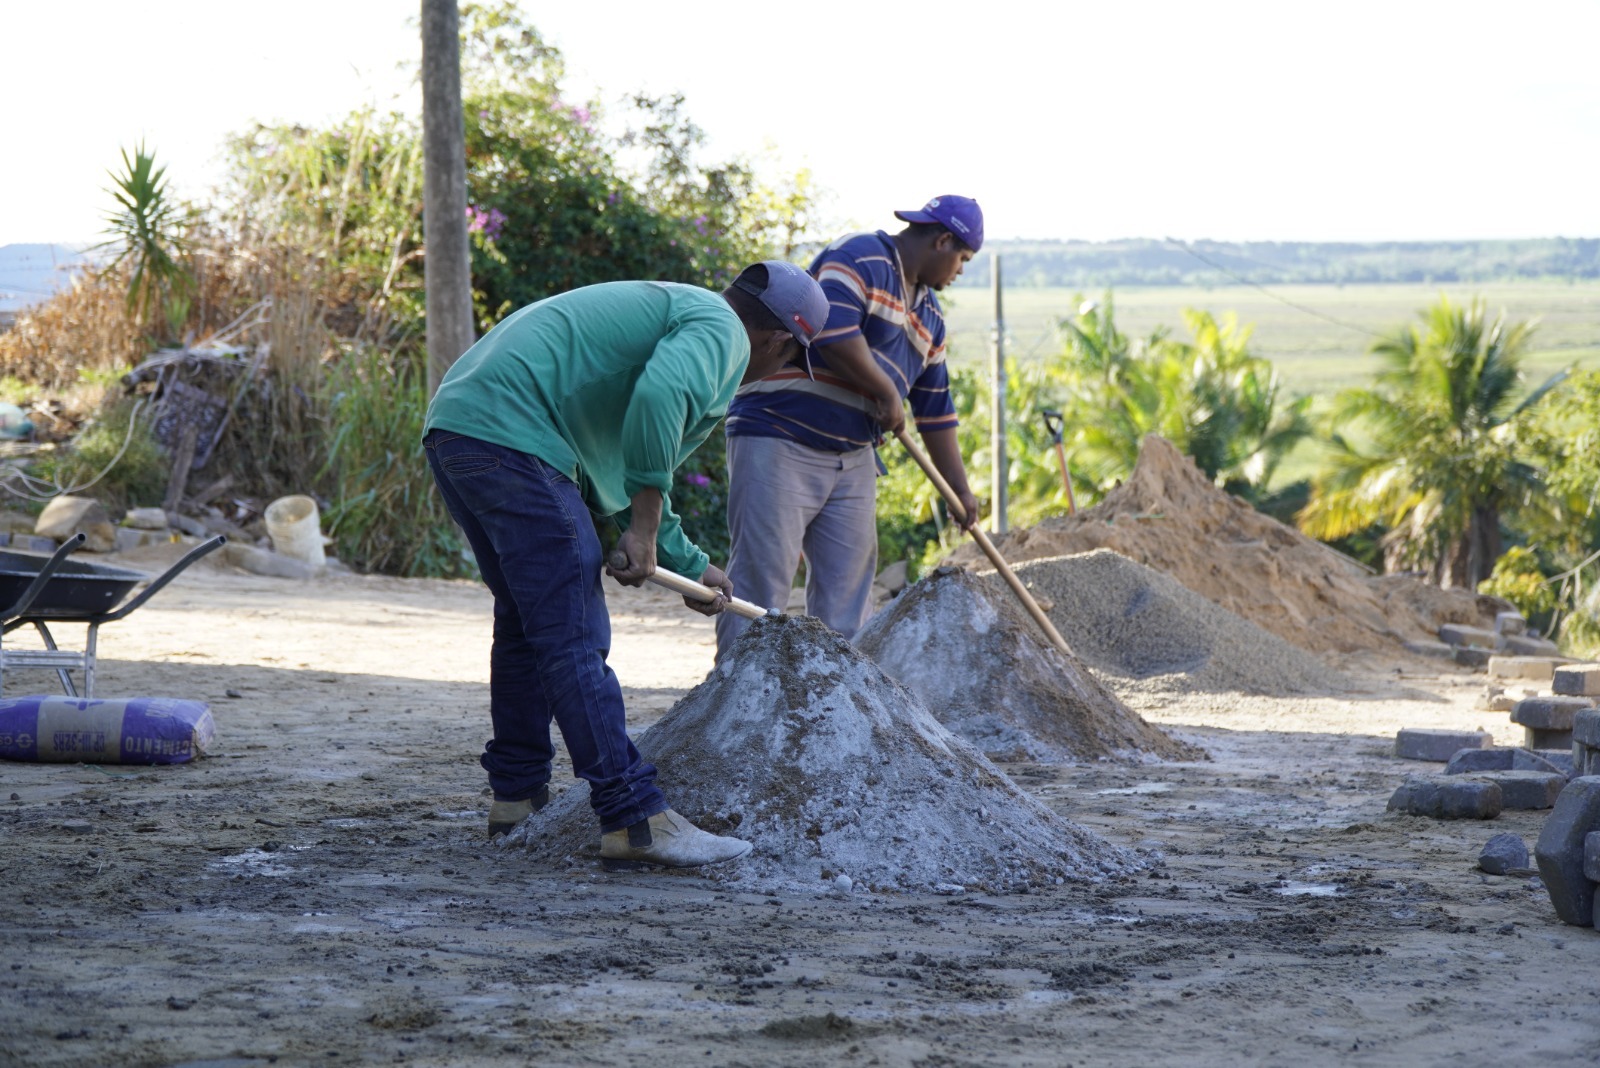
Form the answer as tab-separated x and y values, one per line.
997	443
448	258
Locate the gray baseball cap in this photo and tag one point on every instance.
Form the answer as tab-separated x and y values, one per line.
794	297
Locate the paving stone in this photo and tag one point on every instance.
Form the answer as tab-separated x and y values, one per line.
1448	799
1522	790
1428	647
1549	713
1541	738
1470	657
1468	761
1528	645
1510	623
1558	760
1502	853
1586	726
1419	743
1560	850
1585	760
1461	634
1591	856
1536	668
1577	679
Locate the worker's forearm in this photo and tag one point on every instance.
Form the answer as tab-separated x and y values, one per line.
944	449
644	513
853	361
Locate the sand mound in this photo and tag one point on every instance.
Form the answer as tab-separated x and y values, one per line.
801	744
982	667
1170	517
1142	626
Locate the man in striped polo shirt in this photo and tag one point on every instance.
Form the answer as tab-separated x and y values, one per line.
802	472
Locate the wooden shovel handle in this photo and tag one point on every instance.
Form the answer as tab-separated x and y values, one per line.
985	544
688	587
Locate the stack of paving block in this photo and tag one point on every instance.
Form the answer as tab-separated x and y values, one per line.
1480	781
1473	646
1568	853
1547	719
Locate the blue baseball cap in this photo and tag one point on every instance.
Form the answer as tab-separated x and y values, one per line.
795	298
960	215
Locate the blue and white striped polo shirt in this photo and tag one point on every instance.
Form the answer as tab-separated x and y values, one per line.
860	273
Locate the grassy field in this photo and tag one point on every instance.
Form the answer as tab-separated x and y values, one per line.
1312	354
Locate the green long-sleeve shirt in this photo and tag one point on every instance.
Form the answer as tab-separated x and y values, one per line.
613	385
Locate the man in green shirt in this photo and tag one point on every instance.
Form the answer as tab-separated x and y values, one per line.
587	402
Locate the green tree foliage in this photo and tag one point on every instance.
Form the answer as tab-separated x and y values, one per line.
1448	457
147	230
1209	396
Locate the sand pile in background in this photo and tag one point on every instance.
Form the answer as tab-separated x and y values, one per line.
1138	625
1170	517
802	745
980	665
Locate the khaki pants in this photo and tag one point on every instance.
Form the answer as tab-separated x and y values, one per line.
785	498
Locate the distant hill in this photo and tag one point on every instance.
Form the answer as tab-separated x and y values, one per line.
30	274
1090	265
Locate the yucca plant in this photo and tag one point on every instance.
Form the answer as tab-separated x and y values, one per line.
147	230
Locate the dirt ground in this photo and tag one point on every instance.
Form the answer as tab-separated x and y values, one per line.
318	891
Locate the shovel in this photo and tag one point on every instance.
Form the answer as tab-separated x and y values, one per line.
985	544
1054	422
688	587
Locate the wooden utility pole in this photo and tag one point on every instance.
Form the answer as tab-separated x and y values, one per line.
447	258
997	444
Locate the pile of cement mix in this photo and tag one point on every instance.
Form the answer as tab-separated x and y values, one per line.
800	744
1142	626
1169	516
983	667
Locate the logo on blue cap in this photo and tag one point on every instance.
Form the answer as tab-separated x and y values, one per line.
960	215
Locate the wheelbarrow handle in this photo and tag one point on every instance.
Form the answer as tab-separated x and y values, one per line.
26	600
211	545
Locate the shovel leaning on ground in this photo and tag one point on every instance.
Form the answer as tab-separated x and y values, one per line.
985	544
1055	422
688	587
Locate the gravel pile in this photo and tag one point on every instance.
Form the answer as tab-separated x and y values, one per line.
981	665
802	745
1139	625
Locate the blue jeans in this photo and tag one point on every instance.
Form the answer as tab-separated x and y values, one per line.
536	547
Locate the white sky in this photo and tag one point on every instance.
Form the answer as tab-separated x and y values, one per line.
1355	120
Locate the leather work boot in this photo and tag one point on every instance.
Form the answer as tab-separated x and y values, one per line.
666	840
505	815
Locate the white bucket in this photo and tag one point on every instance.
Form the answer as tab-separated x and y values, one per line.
296	529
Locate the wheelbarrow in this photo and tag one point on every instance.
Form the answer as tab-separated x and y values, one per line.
43	590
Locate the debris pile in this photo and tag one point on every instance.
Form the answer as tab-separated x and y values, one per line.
983	668
802	745
1153	633
1168	516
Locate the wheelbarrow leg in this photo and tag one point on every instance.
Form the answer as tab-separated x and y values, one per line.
88	660
50	643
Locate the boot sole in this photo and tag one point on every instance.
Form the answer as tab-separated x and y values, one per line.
617	864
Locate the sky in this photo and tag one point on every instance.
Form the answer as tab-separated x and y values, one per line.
1316	121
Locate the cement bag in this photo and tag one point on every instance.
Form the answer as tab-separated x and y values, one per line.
127	730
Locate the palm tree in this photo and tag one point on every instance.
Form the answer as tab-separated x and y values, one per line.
1210	396
1445	460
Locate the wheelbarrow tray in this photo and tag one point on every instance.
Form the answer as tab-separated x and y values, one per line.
76	588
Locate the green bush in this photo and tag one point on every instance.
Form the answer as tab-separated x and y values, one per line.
385	514
115	459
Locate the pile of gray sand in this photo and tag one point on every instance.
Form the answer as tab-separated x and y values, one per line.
802	745
1143	627
983	667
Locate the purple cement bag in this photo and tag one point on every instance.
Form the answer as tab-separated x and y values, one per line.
128	730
